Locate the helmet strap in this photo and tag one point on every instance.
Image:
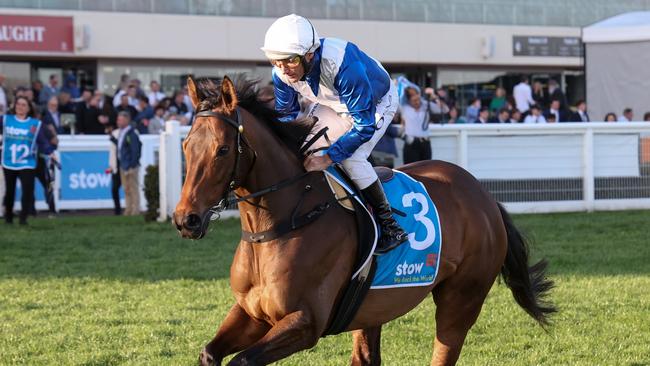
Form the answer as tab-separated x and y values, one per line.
307	66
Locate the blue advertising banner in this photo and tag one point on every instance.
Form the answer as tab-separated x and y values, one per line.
83	175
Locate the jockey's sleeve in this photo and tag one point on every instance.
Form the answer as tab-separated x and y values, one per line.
355	91
286	99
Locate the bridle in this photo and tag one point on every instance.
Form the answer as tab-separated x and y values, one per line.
295	221
239	128
237	124
214	212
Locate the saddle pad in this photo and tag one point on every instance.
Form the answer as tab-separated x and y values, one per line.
414	263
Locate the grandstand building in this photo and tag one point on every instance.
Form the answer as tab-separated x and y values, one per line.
469	46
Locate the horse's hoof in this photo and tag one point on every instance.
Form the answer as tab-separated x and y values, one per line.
206	359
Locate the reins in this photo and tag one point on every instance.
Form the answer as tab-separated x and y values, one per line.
295	221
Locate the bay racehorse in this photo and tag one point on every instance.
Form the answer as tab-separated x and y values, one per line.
286	288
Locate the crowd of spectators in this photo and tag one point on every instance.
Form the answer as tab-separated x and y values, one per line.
91	112
132	111
528	104
536	103
68	109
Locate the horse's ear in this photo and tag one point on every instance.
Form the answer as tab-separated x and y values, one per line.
228	95
191	90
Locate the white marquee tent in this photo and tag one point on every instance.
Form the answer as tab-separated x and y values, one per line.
617	65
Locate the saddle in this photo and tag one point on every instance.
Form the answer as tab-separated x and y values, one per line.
348	196
341	193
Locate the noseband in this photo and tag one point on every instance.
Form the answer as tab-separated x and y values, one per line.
240	141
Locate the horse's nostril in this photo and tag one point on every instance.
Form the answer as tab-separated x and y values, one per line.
192	222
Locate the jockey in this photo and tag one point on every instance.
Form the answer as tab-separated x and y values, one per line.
351	94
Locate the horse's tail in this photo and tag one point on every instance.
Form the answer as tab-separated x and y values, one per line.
529	285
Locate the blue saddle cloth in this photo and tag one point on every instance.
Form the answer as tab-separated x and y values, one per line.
416	262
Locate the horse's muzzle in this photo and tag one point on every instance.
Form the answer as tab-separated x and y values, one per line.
190	226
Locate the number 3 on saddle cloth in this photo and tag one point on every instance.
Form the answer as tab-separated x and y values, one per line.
414	263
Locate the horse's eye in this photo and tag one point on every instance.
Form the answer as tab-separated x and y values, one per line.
223	150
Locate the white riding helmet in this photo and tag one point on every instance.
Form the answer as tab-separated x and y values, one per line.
288	36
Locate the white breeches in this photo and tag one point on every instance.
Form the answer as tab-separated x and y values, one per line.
357	165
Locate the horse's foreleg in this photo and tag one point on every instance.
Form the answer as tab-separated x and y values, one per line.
237	332
295	332
366	347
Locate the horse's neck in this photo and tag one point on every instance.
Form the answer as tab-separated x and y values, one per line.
274	163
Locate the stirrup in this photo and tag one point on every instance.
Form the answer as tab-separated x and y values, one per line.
393	242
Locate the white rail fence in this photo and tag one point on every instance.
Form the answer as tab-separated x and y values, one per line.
530	168
83	182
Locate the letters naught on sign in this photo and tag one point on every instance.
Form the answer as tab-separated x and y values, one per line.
36	33
21	33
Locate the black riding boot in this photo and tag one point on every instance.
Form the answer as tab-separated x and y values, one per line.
392	234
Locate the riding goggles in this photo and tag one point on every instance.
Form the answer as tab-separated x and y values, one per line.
292	61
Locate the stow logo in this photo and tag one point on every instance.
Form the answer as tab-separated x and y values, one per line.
82	180
18	131
408	268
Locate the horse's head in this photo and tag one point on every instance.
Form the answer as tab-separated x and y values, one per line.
211	154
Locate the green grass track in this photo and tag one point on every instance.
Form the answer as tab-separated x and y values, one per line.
118	291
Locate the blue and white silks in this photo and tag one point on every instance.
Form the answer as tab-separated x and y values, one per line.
343	78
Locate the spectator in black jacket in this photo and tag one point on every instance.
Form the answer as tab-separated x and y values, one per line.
81	106
125	106
581	112
106	109
556	110
555	93
502	117
90	122
65	103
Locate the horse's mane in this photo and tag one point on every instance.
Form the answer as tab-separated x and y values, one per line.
292	134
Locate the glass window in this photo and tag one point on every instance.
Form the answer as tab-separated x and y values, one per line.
97	5
133	6
171	6
253	8
377	9
279	8
19	3
468	13
440	11
171	76
312	8
342	9
499	14
60	4
556	15
411	12
529	14
206	7
465	85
